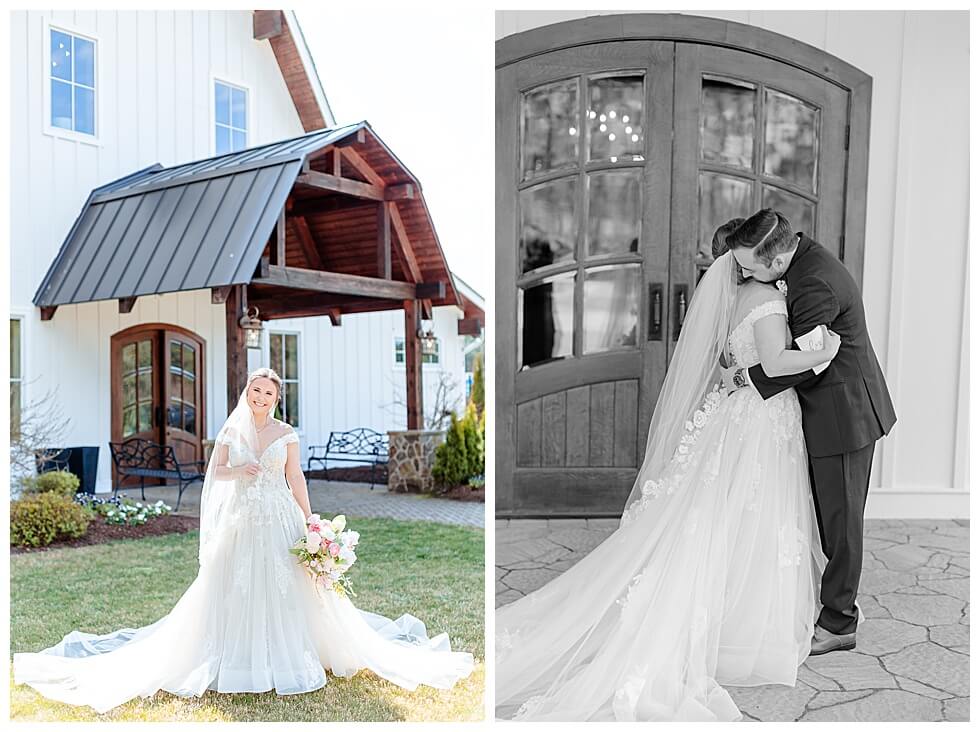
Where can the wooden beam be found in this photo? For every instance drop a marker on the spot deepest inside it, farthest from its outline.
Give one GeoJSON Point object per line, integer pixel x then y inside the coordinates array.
{"type": "Point", "coordinates": [262, 268]}
{"type": "Point", "coordinates": [334, 314]}
{"type": "Point", "coordinates": [47, 313]}
{"type": "Point", "coordinates": [315, 304]}
{"type": "Point", "coordinates": [434, 290]}
{"type": "Point", "coordinates": [405, 251]}
{"type": "Point", "coordinates": [301, 228]}
{"type": "Point", "coordinates": [361, 166]}
{"type": "Point", "coordinates": [337, 184]}
{"type": "Point", "coordinates": [334, 162]}
{"type": "Point", "coordinates": [384, 240]}
{"type": "Point", "coordinates": [426, 306]}
{"type": "Point", "coordinates": [400, 192]}
{"type": "Point", "coordinates": [219, 295]}
{"type": "Point", "coordinates": [338, 283]}
{"type": "Point", "coordinates": [357, 138]}
{"type": "Point", "coordinates": [468, 326]}
{"type": "Point", "coordinates": [237, 361]}
{"type": "Point", "coordinates": [126, 304]}
{"type": "Point", "coordinates": [279, 258]}
{"type": "Point", "coordinates": [413, 367]}
{"type": "Point", "coordinates": [266, 24]}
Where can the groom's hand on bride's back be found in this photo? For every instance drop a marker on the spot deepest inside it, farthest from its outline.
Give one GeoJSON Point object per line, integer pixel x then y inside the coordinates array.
{"type": "Point", "coordinates": [727, 377]}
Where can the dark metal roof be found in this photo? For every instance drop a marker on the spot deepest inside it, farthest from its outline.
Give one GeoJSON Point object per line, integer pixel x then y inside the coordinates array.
{"type": "Point", "coordinates": [191, 226]}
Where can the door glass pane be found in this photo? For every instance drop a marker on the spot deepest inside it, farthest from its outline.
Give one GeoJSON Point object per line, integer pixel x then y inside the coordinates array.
{"type": "Point", "coordinates": [188, 358]}
{"type": "Point", "coordinates": [611, 307]}
{"type": "Point", "coordinates": [175, 383]}
{"type": "Point", "coordinates": [145, 357]}
{"type": "Point", "coordinates": [145, 384]}
{"type": "Point", "coordinates": [190, 414]}
{"type": "Point", "coordinates": [15, 348]}
{"type": "Point", "coordinates": [129, 421]}
{"type": "Point", "coordinates": [614, 212]}
{"type": "Point", "coordinates": [727, 121]}
{"type": "Point", "coordinates": [188, 394]}
{"type": "Point", "coordinates": [548, 224]}
{"type": "Point", "coordinates": [721, 198]}
{"type": "Point", "coordinates": [615, 118]}
{"type": "Point", "coordinates": [129, 390]}
{"type": "Point", "coordinates": [550, 128]}
{"type": "Point", "coordinates": [145, 417]}
{"type": "Point", "coordinates": [129, 358]}
{"type": "Point", "coordinates": [544, 320]}
{"type": "Point", "coordinates": [175, 413]}
{"type": "Point", "coordinates": [791, 139]}
{"type": "Point", "coordinates": [797, 209]}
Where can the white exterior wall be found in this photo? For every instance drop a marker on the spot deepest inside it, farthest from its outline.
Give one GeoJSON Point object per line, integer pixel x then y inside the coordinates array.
{"type": "Point", "coordinates": [155, 74]}
{"type": "Point", "coordinates": [918, 209]}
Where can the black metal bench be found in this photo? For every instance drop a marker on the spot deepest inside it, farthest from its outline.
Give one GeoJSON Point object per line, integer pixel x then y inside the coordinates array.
{"type": "Point", "coordinates": [361, 445]}
{"type": "Point", "coordinates": [139, 458]}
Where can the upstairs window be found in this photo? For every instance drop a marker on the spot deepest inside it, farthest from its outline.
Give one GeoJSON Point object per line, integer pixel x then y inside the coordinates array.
{"type": "Point", "coordinates": [72, 76]}
{"type": "Point", "coordinates": [230, 118]}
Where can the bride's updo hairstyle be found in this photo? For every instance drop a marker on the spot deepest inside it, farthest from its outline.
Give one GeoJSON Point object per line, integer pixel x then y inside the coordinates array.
{"type": "Point", "coordinates": [719, 242]}
{"type": "Point", "coordinates": [265, 373]}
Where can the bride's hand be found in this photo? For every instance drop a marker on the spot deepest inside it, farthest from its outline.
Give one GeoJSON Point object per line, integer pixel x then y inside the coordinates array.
{"type": "Point", "coordinates": [831, 343]}
{"type": "Point", "coordinates": [250, 469]}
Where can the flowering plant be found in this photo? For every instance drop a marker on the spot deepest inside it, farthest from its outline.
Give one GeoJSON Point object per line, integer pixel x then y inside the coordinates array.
{"type": "Point", "coordinates": [122, 511]}
{"type": "Point", "coordinates": [326, 551]}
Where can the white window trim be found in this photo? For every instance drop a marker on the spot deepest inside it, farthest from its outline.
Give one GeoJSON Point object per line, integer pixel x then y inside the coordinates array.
{"type": "Point", "coordinates": [61, 132]}
{"type": "Point", "coordinates": [24, 317]}
{"type": "Point", "coordinates": [299, 369]}
{"type": "Point", "coordinates": [395, 365]}
{"type": "Point", "coordinates": [251, 128]}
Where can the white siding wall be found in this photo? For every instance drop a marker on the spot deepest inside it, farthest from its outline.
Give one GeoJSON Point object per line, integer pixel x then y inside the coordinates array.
{"type": "Point", "coordinates": [918, 208]}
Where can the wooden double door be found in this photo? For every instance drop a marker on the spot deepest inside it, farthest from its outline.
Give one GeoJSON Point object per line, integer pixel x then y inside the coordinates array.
{"type": "Point", "coordinates": [616, 162]}
{"type": "Point", "coordinates": [158, 387]}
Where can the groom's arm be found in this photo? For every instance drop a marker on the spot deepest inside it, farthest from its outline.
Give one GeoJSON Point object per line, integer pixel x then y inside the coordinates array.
{"type": "Point", "coordinates": [814, 304]}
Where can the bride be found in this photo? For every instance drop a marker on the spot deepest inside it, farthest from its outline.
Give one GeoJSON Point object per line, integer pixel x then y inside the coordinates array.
{"type": "Point", "coordinates": [711, 577]}
{"type": "Point", "coordinates": [252, 620]}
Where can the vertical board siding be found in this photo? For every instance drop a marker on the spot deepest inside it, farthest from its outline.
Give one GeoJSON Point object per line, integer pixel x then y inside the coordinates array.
{"type": "Point", "coordinates": [553, 429]}
{"type": "Point", "coordinates": [577, 427]}
{"type": "Point", "coordinates": [529, 434]}
{"type": "Point", "coordinates": [624, 438]}
{"type": "Point", "coordinates": [602, 402]}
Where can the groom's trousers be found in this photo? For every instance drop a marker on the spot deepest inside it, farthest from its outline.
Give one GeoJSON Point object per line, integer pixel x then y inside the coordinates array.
{"type": "Point", "coordinates": [840, 491]}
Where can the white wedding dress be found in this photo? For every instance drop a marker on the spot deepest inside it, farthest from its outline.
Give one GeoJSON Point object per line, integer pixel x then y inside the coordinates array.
{"type": "Point", "coordinates": [250, 622]}
{"type": "Point", "coordinates": [711, 578]}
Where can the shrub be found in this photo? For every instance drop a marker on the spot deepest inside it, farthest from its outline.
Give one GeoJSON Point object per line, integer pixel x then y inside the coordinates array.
{"type": "Point", "coordinates": [39, 519]}
{"type": "Point", "coordinates": [477, 389]}
{"type": "Point", "coordinates": [452, 465]}
{"type": "Point", "coordinates": [473, 439]}
{"type": "Point", "coordinates": [60, 482]}
{"type": "Point", "coordinates": [123, 511]}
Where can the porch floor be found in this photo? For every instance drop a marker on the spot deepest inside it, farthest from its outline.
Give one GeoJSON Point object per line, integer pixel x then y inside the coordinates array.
{"type": "Point", "coordinates": [912, 661]}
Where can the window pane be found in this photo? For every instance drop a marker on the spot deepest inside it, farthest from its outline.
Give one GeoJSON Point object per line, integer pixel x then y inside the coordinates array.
{"type": "Point", "coordinates": [222, 140]}
{"type": "Point", "coordinates": [15, 401]}
{"type": "Point", "coordinates": [84, 62]}
{"type": "Point", "coordinates": [544, 313]}
{"type": "Point", "coordinates": [175, 413]}
{"type": "Point", "coordinates": [84, 110]}
{"type": "Point", "coordinates": [188, 355]}
{"type": "Point", "coordinates": [145, 354]}
{"type": "Point", "coordinates": [616, 118]}
{"type": "Point", "coordinates": [129, 358]}
{"type": "Point", "coordinates": [727, 122]}
{"type": "Point", "coordinates": [430, 351]}
{"type": "Point", "coordinates": [798, 210]}
{"type": "Point", "coordinates": [189, 394]}
{"type": "Point", "coordinates": [791, 139]}
{"type": "Point", "coordinates": [238, 109]}
{"type": "Point", "coordinates": [399, 350]}
{"type": "Point", "coordinates": [614, 212]}
{"type": "Point", "coordinates": [175, 384]}
{"type": "Point", "coordinates": [237, 140]}
{"type": "Point", "coordinates": [60, 104]}
{"type": "Point", "coordinates": [129, 390]}
{"type": "Point", "coordinates": [144, 385]}
{"type": "Point", "coordinates": [721, 198]}
{"type": "Point", "coordinates": [15, 348]}
{"type": "Point", "coordinates": [222, 104]}
{"type": "Point", "coordinates": [275, 352]}
{"type": "Point", "coordinates": [144, 413]}
{"type": "Point", "coordinates": [292, 369]}
{"type": "Point", "coordinates": [548, 224]}
{"type": "Point", "coordinates": [611, 307]}
{"type": "Point", "coordinates": [550, 124]}
{"type": "Point", "coordinates": [190, 418]}
{"type": "Point", "coordinates": [291, 400]}
{"type": "Point", "coordinates": [60, 55]}
{"type": "Point", "coordinates": [129, 421]}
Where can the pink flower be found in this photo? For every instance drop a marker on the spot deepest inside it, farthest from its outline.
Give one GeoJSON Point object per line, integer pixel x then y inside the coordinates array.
{"type": "Point", "coordinates": [325, 545]}
{"type": "Point", "coordinates": [334, 549]}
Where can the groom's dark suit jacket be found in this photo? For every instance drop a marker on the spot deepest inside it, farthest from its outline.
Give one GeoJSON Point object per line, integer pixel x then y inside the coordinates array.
{"type": "Point", "coordinates": [847, 406]}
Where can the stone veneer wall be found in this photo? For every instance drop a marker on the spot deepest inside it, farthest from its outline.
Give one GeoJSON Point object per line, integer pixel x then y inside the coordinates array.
{"type": "Point", "coordinates": [411, 457]}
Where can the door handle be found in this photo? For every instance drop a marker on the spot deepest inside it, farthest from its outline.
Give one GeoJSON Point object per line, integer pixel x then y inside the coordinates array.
{"type": "Point", "coordinates": [680, 301]}
{"type": "Point", "coordinates": [655, 304]}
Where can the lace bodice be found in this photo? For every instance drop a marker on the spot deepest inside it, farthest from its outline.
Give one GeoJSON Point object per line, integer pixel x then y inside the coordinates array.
{"type": "Point", "coordinates": [263, 497]}
{"type": "Point", "coordinates": [741, 341]}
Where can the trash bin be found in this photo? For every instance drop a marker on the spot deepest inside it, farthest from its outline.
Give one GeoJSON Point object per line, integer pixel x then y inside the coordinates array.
{"type": "Point", "coordinates": [82, 462]}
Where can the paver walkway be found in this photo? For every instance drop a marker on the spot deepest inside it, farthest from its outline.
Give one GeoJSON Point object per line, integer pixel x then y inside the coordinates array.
{"type": "Point", "coordinates": [355, 499]}
{"type": "Point", "coordinates": [912, 660]}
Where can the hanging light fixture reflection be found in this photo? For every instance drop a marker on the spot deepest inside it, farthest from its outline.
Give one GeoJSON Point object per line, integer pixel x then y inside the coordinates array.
{"type": "Point", "coordinates": [253, 328]}
{"type": "Point", "coordinates": [426, 336]}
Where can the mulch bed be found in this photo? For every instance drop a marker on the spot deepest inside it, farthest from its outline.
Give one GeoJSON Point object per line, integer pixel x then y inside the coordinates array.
{"type": "Point", "coordinates": [362, 474]}
{"type": "Point", "coordinates": [465, 493]}
{"type": "Point", "coordinates": [100, 532]}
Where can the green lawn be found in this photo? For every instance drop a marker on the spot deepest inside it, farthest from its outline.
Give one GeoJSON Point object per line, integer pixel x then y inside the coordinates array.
{"type": "Point", "coordinates": [431, 570]}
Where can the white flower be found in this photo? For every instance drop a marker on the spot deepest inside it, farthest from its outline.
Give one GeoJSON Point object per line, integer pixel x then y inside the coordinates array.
{"type": "Point", "coordinates": [312, 542]}
{"type": "Point", "coordinates": [689, 425]}
{"type": "Point", "coordinates": [339, 522]}
{"type": "Point", "coordinates": [682, 449]}
{"type": "Point", "coordinates": [649, 488]}
{"type": "Point", "coordinates": [346, 555]}
{"type": "Point", "coordinates": [327, 532]}
{"type": "Point", "coordinates": [699, 419]}
{"type": "Point", "coordinates": [350, 538]}
{"type": "Point", "coordinates": [781, 286]}
{"type": "Point", "coordinates": [687, 439]}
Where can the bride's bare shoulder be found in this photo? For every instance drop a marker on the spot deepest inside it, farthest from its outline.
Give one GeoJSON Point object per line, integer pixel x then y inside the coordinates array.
{"type": "Point", "coordinates": [757, 293]}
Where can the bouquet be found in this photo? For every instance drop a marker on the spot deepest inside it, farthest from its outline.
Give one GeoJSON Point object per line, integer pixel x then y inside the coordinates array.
{"type": "Point", "coordinates": [327, 552]}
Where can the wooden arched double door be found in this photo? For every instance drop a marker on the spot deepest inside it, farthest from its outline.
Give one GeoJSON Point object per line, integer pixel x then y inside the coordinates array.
{"type": "Point", "coordinates": [616, 161]}
{"type": "Point", "coordinates": [158, 387]}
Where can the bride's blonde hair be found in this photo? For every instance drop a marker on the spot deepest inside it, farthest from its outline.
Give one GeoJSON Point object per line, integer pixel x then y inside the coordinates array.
{"type": "Point", "coordinates": [266, 373]}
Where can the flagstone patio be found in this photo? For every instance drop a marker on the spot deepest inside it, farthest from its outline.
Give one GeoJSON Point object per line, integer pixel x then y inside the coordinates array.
{"type": "Point", "coordinates": [912, 659]}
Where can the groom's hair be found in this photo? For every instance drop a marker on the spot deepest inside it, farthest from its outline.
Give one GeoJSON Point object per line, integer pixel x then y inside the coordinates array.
{"type": "Point", "coordinates": [767, 232]}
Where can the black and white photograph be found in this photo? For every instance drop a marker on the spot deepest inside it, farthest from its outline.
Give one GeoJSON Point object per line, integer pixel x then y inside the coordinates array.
{"type": "Point", "coordinates": [731, 366]}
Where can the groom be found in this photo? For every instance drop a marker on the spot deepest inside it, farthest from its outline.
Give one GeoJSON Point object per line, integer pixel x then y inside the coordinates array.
{"type": "Point", "coordinates": [846, 408]}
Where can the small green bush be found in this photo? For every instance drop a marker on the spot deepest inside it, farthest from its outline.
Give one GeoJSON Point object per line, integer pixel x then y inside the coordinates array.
{"type": "Point", "coordinates": [478, 388]}
{"type": "Point", "coordinates": [60, 482]}
{"type": "Point", "coordinates": [39, 519]}
{"type": "Point", "coordinates": [461, 455]}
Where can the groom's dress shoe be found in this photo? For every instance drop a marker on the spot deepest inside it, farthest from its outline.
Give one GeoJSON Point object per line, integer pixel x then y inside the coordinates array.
{"type": "Point", "coordinates": [824, 641]}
